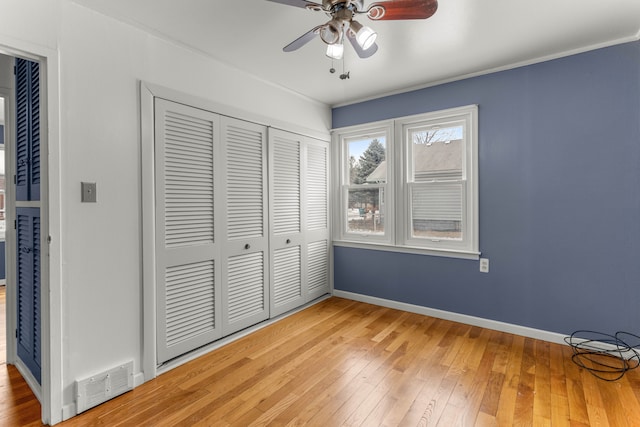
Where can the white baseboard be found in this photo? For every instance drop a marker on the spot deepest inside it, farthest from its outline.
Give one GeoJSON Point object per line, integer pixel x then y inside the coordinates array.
{"type": "Point", "coordinates": [525, 331]}
{"type": "Point", "coordinates": [69, 411]}
{"type": "Point", "coordinates": [138, 379]}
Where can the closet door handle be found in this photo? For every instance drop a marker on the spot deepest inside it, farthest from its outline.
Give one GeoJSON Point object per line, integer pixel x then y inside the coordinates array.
{"type": "Point", "coordinates": [247, 246]}
{"type": "Point", "coordinates": [288, 241]}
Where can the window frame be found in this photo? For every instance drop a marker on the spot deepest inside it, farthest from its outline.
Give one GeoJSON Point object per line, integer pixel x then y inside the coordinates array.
{"type": "Point", "coordinates": [398, 222]}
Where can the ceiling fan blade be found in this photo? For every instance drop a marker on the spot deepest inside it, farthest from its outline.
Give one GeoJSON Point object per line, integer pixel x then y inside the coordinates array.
{"type": "Point", "coordinates": [402, 9]}
{"type": "Point", "coordinates": [361, 52]}
{"type": "Point", "coordinates": [302, 40]}
{"type": "Point", "coordinates": [298, 3]}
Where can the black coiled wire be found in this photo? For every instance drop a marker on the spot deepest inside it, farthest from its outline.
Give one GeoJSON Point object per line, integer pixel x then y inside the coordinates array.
{"type": "Point", "coordinates": [606, 356]}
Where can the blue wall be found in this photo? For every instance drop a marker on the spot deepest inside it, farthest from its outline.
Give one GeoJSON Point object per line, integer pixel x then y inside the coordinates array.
{"type": "Point", "coordinates": [559, 171]}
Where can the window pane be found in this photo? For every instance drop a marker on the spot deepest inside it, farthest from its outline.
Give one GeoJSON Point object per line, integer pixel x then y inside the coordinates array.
{"type": "Point", "coordinates": [365, 211]}
{"type": "Point", "coordinates": [436, 154]}
{"type": "Point", "coordinates": [366, 158]}
{"type": "Point", "coordinates": [436, 211]}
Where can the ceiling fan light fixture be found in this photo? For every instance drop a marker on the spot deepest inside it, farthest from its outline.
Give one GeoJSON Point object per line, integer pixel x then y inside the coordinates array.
{"type": "Point", "coordinates": [365, 36]}
{"type": "Point", "coordinates": [331, 31]}
{"type": "Point", "coordinates": [335, 51]}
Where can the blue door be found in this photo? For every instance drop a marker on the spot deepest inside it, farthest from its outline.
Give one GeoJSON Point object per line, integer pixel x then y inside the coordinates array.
{"type": "Point", "coordinates": [27, 130]}
{"type": "Point", "coordinates": [27, 181]}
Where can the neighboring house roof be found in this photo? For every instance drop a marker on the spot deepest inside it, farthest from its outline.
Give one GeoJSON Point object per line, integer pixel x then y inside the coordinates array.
{"type": "Point", "coordinates": [379, 174]}
{"type": "Point", "coordinates": [435, 160]}
{"type": "Point", "coordinates": [438, 157]}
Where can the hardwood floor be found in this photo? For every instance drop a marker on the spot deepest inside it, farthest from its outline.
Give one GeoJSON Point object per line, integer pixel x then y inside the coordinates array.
{"type": "Point", "coordinates": [18, 405]}
{"type": "Point", "coordinates": [347, 363]}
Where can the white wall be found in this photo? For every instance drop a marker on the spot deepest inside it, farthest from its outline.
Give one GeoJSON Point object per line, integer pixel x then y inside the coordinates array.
{"type": "Point", "coordinates": [6, 72]}
{"type": "Point", "coordinates": [101, 62]}
{"type": "Point", "coordinates": [6, 65]}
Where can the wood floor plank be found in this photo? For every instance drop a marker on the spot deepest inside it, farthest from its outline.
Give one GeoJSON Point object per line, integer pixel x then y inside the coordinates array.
{"type": "Point", "coordinates": [559, 399]}
{"type": "Point", "coordinates": [404, 395]}
{"type": "Point", "coordinates": [578, 413]}
{"type": "Point", "coordinates": [626, 398]}
{"type": "Point", "coordinates": [619, 408]}
{"type": "Point", "coordinates": [469, 408]}
{"type": "Point", "coordinates": [18, 405]}
{"type": "Point", "coordinates": [509, 392]}
{"type": "Point", "coordinates": [486, 420]}
{"type": "Point", "coordinates": [342, 362]}
{"type": "Point", "coordinates": [542, 383]}
{"type": "Point", "coordinates": [526, 384]}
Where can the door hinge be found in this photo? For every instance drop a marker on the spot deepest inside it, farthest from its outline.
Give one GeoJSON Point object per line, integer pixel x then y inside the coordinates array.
{"type": "Point", "coordinates": [15, 224]}
{"type": "Point", "coordinates": [15, 180]}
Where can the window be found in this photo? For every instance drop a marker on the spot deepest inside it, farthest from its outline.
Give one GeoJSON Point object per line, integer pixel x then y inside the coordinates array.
{"type": "Point", "coordinates": [365, 184]}
{"type": "Point", "coordinates": [431, 189]}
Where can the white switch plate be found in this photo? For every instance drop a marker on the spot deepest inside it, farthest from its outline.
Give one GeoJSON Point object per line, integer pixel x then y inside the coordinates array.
{"type": "Point", "coordinates": [88, 192]}
{"type": "Point", "coordinates": [484, 265]}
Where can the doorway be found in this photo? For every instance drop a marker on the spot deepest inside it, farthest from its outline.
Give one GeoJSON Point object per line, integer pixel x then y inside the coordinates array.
{"type": "Point", "coordinates": [14, 296]}
{"type": "Point", "coordinates": [50, 391]}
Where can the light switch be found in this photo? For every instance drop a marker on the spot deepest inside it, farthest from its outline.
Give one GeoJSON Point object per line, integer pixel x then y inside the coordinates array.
{"type": "Point", "coordinates": [88, 192]}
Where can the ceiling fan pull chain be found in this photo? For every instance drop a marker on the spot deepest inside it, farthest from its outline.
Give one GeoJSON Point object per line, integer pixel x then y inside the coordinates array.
{"type": "Point", "coordinates": [345, 74]}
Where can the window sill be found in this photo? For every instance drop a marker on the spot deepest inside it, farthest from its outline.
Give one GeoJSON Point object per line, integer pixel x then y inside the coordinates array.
{"type": "Point", "coordinates": [447, 253]}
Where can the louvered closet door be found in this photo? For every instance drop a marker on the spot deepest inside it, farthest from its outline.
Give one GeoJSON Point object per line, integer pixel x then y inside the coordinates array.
{"type": "Point", "coordinates": [28, 335]}
{"type": "Point", "coordinates": [27, 181]}
{"type": "Point", "coordinates": [245, 252]}
{"type": "Point", "coordinates": [27, 190]}
{"type": "Point", "coordinates": [316, 218]}
{"type": "Point", "coordinates": [187, 248]}
{"type": "Point", "coordinates": [287, 250]}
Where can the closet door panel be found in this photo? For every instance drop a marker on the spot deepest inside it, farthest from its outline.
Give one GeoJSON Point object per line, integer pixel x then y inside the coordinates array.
{"type": "Point", "coordinates": [287, 239]}
{"type": "Point", "coordinates": [287, 276]}
{"type": "Point", "coordinates": [27, 81]}
{"type": "Point", "coordinates": [316, 218]}
{"type": "Point", "coordinates": [28, 289]}
{"type": "Point", "coordinates": [245, 270]}
{"type": "Point", "coordinates": [317, 268]}
{"type": "Point", "coordinates": [187, 249]}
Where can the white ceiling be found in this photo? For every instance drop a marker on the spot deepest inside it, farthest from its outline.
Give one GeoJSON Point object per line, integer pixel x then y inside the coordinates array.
{"type": "Point", "coordinates": [464, 37]}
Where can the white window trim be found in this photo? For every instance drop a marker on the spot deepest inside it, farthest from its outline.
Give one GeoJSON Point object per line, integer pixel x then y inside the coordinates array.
{"type": "Point", "coordinates": [397, 237]}
{"type": "Point", "coordinates": [365, 131]}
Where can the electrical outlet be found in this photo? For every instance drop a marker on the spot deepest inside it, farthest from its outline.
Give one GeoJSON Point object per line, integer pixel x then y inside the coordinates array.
{"type": "Point", "coordinates": [484, 265]}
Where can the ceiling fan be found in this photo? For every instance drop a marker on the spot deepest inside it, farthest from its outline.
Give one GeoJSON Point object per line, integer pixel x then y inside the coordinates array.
{"type": "Point", "coordinates": [342, 24]}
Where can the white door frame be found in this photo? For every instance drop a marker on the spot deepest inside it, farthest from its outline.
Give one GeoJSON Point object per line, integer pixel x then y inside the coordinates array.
{"type": "Point", "coordinates": [7, 95]}
{"type": "Point", "coordinates": [50, 391]}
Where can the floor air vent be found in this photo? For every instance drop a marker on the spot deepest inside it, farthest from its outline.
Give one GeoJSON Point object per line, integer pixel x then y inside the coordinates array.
{"type": "Point", "coordinates": [104, 386]}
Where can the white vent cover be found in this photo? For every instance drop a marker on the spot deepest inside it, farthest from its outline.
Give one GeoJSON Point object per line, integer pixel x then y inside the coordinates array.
{"type": "Point", "coordinates": [104, 386]}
